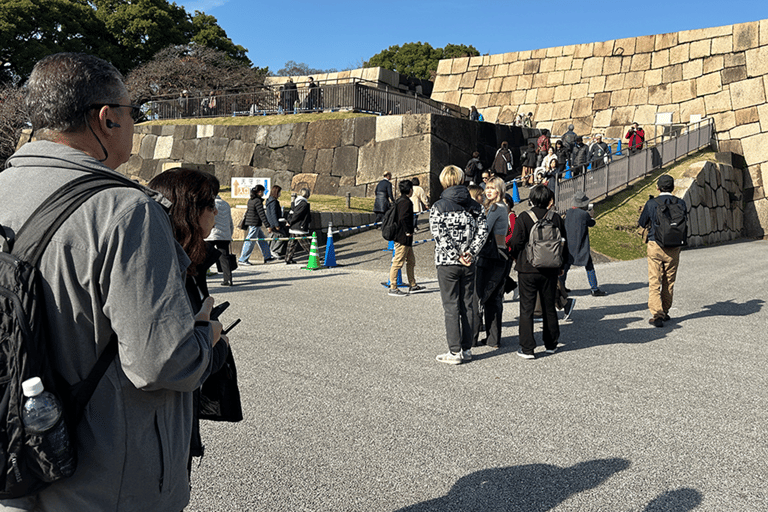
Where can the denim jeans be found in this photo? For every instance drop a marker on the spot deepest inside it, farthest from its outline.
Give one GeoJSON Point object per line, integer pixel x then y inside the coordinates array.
{"type": "Point", "coordinates": [457, 291]}
{"type": "Point", "coordinates": [254, 232]}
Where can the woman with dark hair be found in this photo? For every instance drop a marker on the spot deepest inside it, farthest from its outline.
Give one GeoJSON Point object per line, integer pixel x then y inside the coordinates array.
{"type": "Point", "coordinates": [275, 217]}
{"type": "Point", "coordinates": [502, 163]}
{"type": "Point", "coordinates": [255, 217]}
{"type": "Point", "coordinates": [193, 194]}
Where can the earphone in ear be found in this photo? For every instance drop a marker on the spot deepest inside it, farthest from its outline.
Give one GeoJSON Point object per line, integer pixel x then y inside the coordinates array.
{"type": "Point", "coordinates": [110, 124]}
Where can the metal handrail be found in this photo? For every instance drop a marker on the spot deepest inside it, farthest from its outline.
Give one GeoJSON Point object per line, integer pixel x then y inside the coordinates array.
{"type": "Point", "coordinates": [357, 95]}
{"type": "Point", "coordinates": [619, 172]}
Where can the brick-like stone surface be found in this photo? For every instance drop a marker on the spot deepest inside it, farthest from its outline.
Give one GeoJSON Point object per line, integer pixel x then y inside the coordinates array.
{"type": "Point", "coordinates": [712, 64]}
{"type": "Point", "coordinates": [683, 91]}
{"type": "Point", "coordinates": [745, 36]}
{"type": "Point", "coordinates": [708, 84]}
{"type": "Point", "coordinates": [324, 162]}
{"type": "Point", "coordinates": [345, 161]}
{"type": "Point", "coordinates": [660, 94]}
{"type": "Point", "coordinates": [217, 148]}
{"type": "Point", "coordinates": [324, 134]}
{"type": "Point", "coordinates": [672, 74]}
{"type": "Point", "coordinates": [693, 69]}
{"type": "Point", "coordinates": [147, 150]}
{"type": "Point", "coordinates": [757, 61]}
{"type": "Point", "coordinates": [734, 74]}
{"type": "Point", "coordinates": [747, 93]}
{"type": "Point", "coordinates": [593, 66]}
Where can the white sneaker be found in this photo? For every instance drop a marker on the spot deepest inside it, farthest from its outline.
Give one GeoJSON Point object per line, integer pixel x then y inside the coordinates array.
{"type": "Point", "coordinates": [450, 358]}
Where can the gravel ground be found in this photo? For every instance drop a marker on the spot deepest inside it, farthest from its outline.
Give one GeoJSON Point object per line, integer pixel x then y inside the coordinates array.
{"type": "Point", "coordinates": [346, 408]}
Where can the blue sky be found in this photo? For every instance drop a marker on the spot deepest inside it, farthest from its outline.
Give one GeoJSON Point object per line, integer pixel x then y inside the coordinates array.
{"type": "Point", "coordinates": [342, 34]}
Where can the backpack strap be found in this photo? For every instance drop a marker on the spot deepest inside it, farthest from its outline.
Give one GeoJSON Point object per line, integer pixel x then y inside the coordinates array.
{"type": "Point", "coordinates": [33, 237]}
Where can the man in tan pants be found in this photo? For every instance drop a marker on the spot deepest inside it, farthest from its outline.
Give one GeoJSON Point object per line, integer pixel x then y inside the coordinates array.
{"type": "Point", "coordinates": [663, 259]}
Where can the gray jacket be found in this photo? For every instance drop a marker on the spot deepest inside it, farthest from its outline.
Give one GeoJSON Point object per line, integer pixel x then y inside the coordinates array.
{"type": "Point", "coordinates": [223, 227]}
{"type": "Point", "coordinates": [114, 266]}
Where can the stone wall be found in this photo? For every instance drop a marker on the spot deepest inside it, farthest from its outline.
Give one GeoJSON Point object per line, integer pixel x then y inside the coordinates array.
{"type": "Point", "coordinates": [333, 157]}
{"type": "Point", "coordinates": [713, 194]}
{"type": "Point", "coordinates": [719, 72]}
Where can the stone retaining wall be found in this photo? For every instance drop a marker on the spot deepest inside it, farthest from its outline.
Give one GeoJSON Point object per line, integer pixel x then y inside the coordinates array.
{"type": "Point", "coordinates": [719, 72]}
{"type": "Point", "coordinates": [713, 195]}
{"type": "Point", "coordinates": [333, 157]}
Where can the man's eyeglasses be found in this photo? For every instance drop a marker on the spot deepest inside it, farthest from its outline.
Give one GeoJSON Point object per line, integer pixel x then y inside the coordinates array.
{"type": "Point", "coordinates": [135, 109]}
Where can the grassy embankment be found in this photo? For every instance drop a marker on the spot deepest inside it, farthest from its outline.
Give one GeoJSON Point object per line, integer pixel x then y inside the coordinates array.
{"type": "Point", "coordinates": [616, 234]}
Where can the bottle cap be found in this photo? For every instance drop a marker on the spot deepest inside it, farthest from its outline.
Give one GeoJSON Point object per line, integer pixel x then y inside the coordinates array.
{"type": "Point", "coordinates": [32, 387]}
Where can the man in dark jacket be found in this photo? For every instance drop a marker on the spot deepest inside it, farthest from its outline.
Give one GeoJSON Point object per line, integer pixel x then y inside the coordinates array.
{"type": "Point", "coordinates": [404, 242]}
{"type": "Point", "coordinates": [534, 281]}
{"type": "Point", "coordinates": [569, 139]}
{"type": "Point", "coordinates": [578, 220]}
{"type": "Point", "coordinates": [599, 153]}
{"type": "Point", "coordinates": [662, 261]}
{"type": "Point", "coordinates": [384, 197]}
{"type": "Point", "coordinates": [473, 170]}
{"type": "Point", "coordinates": [579, 156]}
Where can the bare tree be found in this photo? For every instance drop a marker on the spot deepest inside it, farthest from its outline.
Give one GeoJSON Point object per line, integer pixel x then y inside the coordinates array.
{"type": "Point", "coordinates": [13, 118]}
{"type": "Point", "coordinates": [197, 69]}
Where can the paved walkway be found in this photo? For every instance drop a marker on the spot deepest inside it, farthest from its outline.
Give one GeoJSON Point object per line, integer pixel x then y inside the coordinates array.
{"type": "Point", "coordinates": [347, 409]}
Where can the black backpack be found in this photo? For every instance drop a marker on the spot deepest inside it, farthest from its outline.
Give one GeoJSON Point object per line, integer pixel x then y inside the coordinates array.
{"type": "Point", "coordinates": [389, 225]}
{"type": "Point", "coordinates": [671, 228]}
{"type": "Point", "coordinates": [24, 467]}
{"type": "Point", "coordinates": [545, 243]}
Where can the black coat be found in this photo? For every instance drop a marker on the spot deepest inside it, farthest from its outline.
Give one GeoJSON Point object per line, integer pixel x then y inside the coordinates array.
{"type": "Point", "coordinates": [255, 214]}
{"type": "Point", "coordinates": [577, 223]}
{"type": "Point", "coordinates": [404, 214]}
{"type": "Point", "coordinates": [299, 217]}
{"type": "Point", "coordinates": [384, 196]}
{"type": "Point", "coordinates": [520, 237]}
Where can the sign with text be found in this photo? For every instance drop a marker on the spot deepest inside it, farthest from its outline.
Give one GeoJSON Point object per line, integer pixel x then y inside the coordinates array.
{"type": "Point", "coordinates": [241, 187]}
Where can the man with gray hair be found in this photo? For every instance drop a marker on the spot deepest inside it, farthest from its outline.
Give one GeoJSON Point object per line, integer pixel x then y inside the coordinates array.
{"type": "Point", "coordinates": [112, 269]}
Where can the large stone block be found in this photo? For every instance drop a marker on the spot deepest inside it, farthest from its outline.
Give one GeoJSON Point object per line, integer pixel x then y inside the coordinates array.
{"type": "Point", "coordinates": [757, 61]}
{"type": "Point", "coordinates": [468, 80]}
{"type": "Point", "coordinates": [300, 181]}
{"type": "Point", "coordinates": [596, 84]}
{"type": "Point", "coordinates": [652, 77]}
{"type": "Point", "coordinates": [763, 116]}
{"type": "Point", "coordinates": [753, 148]}
{"type": "Point", "coordinates": [555, 78]}
{"type": "Point", "coordinates": [417, 124]}
{"type": "Point", "coordinates": [659, 59]}
{"type": "Point", "coordinates": [745, 36]}
{"type": "Point", "coordinates": [733, 74]}
{"type": "Point", "coordinates": [645, 44]}
{"type": "Point", "coordinates": [708, 84]}
{"type": "Point", "coordinates": [593, 66]}
{"type": "Point", "coordinates": [623, 116]}
{"type": "Point", "coordinates": [530, 96]}
{"type": "Point", "coordinates": [700, 49]}
{"type": "Point", "coordinates": [163, 147]}
{"type": "Point", "coordinates": [562, 93]}
{"type": "Point", "coordinates": [239, 152]}
{"type": "Point", "coordinates": [601, 101]}
{"type": "Point", "coordinates": [403, 157]}
{"type": "Point", "coordinates": [147, 150]}
{"type": "Point", "coordinates": [562, 109]}
{"type": "Point", "coordinates": [583, 51]}
{"type": "Point", "coordinates": [204, 130]}
{"type": "Point", "coordinates": [563, 63]}
{"type": "Point", "coordinates": [481, 87]}
{"type": "Point", "coordinates": [389, 127]}
{"type": "Point", "coordinates": [614, 82]}
{"type": "Point", "coordinates": [310, 159]}
{"type": "Point", "coordinates": [747, 93]}
{"type": "Point", "coordinates": [660, 94]}
{"type": "Point", "coordinates": [638, 96]}
{"type": "Point", "coordinates": [441, 81]}
{"type": "Point", "coordinates": [483, 73]}
{"type": "Point", "coordinates": [579, 90]}
{"type": "Point", "coordinates": [546, 95]}
{"type": "Point", "coordinates": [646, 114]}
{"type": "Point", "coordinates": [460, 65]}
{"type": "Point", "coordinates": [693, 69]}
{"type": "Point", "coordinates": [722, 44]}
{"type": "Point", "coordinates": [683, 91]}
{"type": "Point", "coordinates": [324, 161]}
{"type": "Point", "coordinates": [712, 64]}
{"type": "Point", "coordinates": [531, 66]}
{"type": "Point", "coordinates": [547, 65]}
{"type": "Point", "coordinates": [572, 77]}
{"type": "Point", "coordinates": [747, 115]}
{"type": "Point", "coordinates": [515, 68]}
{"type": "Point", "coordinates": [620, 98]}
{"type": "Point", "coordinates": [719, 102]}
{"type": "Point", "coordinates": [217, 148]}
{"type": "Point", "coordinates": [324, 134]}
{"type": "Point", "coordinates": [327, 185]}
{"type": "Point", "coordinates": [640, 62]}
{"type": "Point", "coordinates": [663, 41]}
{"type": "Point", "coordinates": [602, 119]}
{"type": "Point", "coordinates": [603, 49]}
{"type": "Point", "coordinates": [672, 74]}
{"type": "Point", "coordinates": [345, 161]}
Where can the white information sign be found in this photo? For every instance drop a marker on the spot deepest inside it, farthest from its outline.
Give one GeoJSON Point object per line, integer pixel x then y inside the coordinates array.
{"type": "Point", "coordinates": [241, 187]}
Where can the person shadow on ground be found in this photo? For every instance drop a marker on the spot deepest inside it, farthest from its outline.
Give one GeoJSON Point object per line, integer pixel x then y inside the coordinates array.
{"type": "Point", "coordinates": [541, 487]}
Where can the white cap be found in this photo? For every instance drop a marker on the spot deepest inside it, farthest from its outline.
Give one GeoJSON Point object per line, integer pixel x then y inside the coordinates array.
{"type": "Point", "coordinates": [32, 387]}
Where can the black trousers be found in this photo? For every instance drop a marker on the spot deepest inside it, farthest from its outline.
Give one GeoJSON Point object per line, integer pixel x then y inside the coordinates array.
{"type": "Point", "coordinates": [457, 292]}
{"type": "Point", "coordinates": [223, 264]}
{"type": "Point", "coordinates": [529, 286]}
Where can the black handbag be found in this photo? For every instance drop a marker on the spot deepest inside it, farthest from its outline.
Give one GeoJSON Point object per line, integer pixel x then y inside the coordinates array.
{"type": "Point", "coordinates": [220, 395]}
{"type": "Point", "coordinates": [232, 261]}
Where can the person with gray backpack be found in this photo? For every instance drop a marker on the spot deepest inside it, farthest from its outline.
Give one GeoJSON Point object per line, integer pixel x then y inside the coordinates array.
{"type": "Point", "coordinates": [539, 246]}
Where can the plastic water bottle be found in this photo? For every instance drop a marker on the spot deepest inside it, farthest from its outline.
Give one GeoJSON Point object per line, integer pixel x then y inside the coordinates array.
{"type": "Point", "coordinates": [42, 417]}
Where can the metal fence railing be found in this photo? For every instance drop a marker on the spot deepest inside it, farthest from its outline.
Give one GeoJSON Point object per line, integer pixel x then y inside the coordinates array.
{"type": "Point", "coordinates": [617, 173]}
{"type": "Point", "coordinates": [357, 95]}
